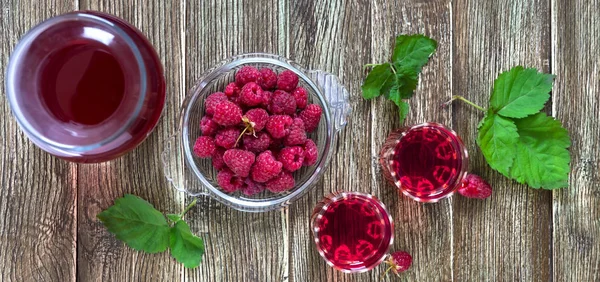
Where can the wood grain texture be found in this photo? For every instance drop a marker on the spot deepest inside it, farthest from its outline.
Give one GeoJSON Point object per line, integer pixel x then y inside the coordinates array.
{"type": "Point", "coordinates": [508, 236]}
{"type": "Point", "coordinates": [332, 36]}
{"type": "Point", "coordinates": [423, 230]}
{"type": "Point", "coordinates": [100, 257]}
{"type": "Point", "coordinates": [38, 199]}
{"type": "Point", "coordinates": [239, 246]}
{"type": "Point", "coordinates": [576, 209]}
{"type": "Point", "coordinates": [48, 207]}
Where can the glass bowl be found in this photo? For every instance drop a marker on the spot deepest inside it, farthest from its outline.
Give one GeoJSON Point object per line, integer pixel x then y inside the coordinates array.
{"type": "Point", "coordinates": [197, 177]}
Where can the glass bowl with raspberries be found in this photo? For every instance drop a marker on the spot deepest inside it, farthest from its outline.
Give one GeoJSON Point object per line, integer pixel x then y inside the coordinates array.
{"type": "Point", "coordinates": [256, 132]}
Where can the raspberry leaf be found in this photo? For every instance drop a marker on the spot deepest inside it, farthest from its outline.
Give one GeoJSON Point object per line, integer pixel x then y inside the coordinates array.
{"type": "Point", "coordinates": [404, 109]}
{"type": "Point", "coordinates": [542, 159]}
{"type": "Point", "coordinates": [413, 51]}
{"type": "Point", "coordinates": [186, 248]}
{"type": "Point", "coordinates": [497, 140]}
{"type": "Point", "coordinates": [174, 217]}
{"type": "Point", "coordinates": [520, 92]}
{"type": "Point", "coordinates": [407, 82]}
{"type": "Point", "coordinates": [375, 81]}
{"type": "Point", "coordinates": [398, 80]}
{"type": "Point", "coordinates": [137, 223]}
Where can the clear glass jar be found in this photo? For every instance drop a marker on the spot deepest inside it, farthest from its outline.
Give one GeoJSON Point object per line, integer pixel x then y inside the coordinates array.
{"type": "Point", "coordinates": [197, 177]}
{"type": "Point", "coordinates": [85, 86]}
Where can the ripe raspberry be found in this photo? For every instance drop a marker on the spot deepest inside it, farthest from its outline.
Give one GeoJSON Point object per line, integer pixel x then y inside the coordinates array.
{"type": "Point", "coordinates": [475, 187]}
{"type": "Point", "coordinates": [267, 79]}
{"type": "Point", "coordinates": [208, 126]}
{"type": "Point", "coordinates": [311, 117]}
{"type": "Point", "coordinates": [239, 161]}
{"type": "Point", "coordinates": [282, 103]}
{"type": "Point", "coordinates": [257, 144]}
{"type": "Point", "coordinates": [217, 159]}
{"type": "Point", "coordinates": [399, 262]}
{"type": "Point", "coordinates": [228, 181]}
{"type": "Point", "coordinates": [227, 137]}
{"type": "Point", "coordinates": [246, 74]}
{"type": "Point", "coordinates": [232, 90]}
{"type": "Point", "coordinates": [301, 97]}
{"type": "Point", "coordinates": [227, 113]}
{"type": "Point", "coordinates": [204, 147]}
{"type": "Point", "coordinates": [251, 94]}
{"type": "Point", "coordinates": [282, 182]}
{"type": "Point", "coordinates": [297, 135]}
{"type": "Point", "coordinates": [287, 80]}
{"type": "Point", "coordinates": [311, 153]}
{"type": "Point", "coordinates": [279, 125]}
{"type": "Point", "coordinates": [267, 96]}
{"type": "Point", "coordinates": [292, 158]}
{"type": "Point", "coordinates": [259, 117]}
{"type": "Point", "coordinates": [212, 100]}
{"type": "Point", "coordinates": [250, 187]}
{"type": "Point", "coordinates": [265, 167]}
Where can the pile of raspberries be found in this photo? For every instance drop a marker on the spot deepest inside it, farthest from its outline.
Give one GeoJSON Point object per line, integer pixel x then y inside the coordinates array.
{"type": "Point", "coordinates": [256, 131]}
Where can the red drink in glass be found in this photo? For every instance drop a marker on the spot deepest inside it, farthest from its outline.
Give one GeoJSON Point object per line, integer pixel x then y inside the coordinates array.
{"type": "Point", "coordinates": [85, 86]}
{"type": "Point", "coordinates": [352, 231]}
{"type": "Point", "coordinates": [427, 162]}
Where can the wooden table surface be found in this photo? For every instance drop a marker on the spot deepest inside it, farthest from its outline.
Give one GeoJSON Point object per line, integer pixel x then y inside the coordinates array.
{"type": "Point", "coordinates": [48, 207]}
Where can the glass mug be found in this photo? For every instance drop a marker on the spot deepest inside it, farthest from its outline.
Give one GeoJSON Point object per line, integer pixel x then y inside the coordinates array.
{"type": "Point", "coordinates": [353, 231]}
{"type": "Point", "coordinates": [427, 162]}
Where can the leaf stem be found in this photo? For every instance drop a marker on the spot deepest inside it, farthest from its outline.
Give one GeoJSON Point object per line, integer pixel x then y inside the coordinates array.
{"type": "Point", "coordinates": [393, 69]}
{"type": "Point", "coordinates": [369, 65]}
{"type": "Point", "coordinates": [192, 204]}
{"type": "Point", "coordinates": [458, 97]}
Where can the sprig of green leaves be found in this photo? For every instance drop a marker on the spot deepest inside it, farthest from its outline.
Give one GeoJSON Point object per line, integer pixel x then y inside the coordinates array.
{"type": "Point", "coordinates": [517, 139]}
{"type": "Point", "coordinates": [137, 223]}
{"type": "Point", "coordinates": [397, 80]}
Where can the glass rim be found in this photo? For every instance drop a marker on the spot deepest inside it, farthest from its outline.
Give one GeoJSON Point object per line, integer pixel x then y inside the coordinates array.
{"type": "Point", "coordinates": [335, 197]}
{"type": "Point", "coordinates": [24, 43]}
{"type": "Point", "coordinates": [445, 193]}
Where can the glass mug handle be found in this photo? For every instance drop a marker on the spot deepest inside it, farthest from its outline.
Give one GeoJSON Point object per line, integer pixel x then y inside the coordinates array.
{"type": "Point", "coordinates": [174, 169]}
{"type": "Point", "coordinates": [336, 95]}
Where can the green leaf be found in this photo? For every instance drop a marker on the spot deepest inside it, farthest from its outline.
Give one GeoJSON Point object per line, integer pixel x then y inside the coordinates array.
{"type": "Point", "coordinates": [497, 139]}
{"type": "Point", "coordinates": [174, 217]}
{"type": "Point", "coordinates": [413, 51]}
{"type": "Point", "coordinates": [407, 81]}
{"type": "Point", "coordinates": [391, 82]}
{"type": "Point", "coordinates": [185, 247]}
{"type": "Point", "coordinates": [136, 222]}
{"type": "Point", "coordinates": [376, 80]}
{"type": "Point", "coordinates": [542, 157]}
{"type": "Point", "coordinates": [520, 92]}
{"type": "Point", "coordinates": [403, 109]}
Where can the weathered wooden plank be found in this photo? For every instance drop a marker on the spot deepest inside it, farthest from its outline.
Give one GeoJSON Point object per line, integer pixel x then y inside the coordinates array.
{"type": "Point", "coordinates": [37, 206]}
{"type": "Point", "coordinates": [100, 256]}
{"type": "Point", "coordinates": [332, 36]}
{"type": "Point", "coordinates": [423, 230]}
{"type": "Point", "coordinates": [576, 209]}
{"type": "Point", "coordinates": [508, 236]}
{"type": "Point", "coordinates": [239, 246]}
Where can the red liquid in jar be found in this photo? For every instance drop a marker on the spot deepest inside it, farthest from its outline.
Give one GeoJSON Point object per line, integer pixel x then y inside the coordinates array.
{"type": "Point", "coordinates": [82, 83]}
{"type": "Point", "coordinates": [427, 161]}
{"type": "Point", "coordinates": [86, 86]}
{"type": "Point", "coordinates": [354, 233]}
